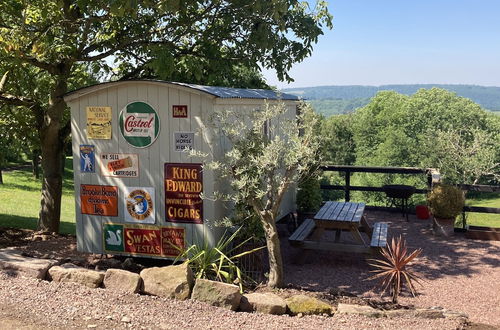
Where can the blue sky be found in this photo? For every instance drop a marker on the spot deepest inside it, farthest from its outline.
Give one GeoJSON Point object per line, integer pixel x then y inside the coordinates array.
{"type": "Point", "coordinates": [376, 42]}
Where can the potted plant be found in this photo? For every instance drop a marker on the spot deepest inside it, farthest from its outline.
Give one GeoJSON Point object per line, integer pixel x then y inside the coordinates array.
{"type": "Point", "coordinates": [446, 202]}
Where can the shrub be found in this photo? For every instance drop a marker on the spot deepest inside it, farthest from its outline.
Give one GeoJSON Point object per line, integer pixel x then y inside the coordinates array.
{"type": "Point", "coordinates": [446, 201]}
{"type": "Point", "coordinates": [309, 194]}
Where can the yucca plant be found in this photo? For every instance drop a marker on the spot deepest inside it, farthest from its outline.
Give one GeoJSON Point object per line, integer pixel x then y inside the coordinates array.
{"type": "Point", "coordinates": [393, 268]}
{"type": "Point", "coordinates": [217, 263]}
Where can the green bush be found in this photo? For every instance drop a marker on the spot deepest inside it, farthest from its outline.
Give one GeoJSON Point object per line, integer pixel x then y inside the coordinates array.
{"type": "Point", "coordinates": [309, 194]}
{"type": "Point", "coordinates": [446, 201]}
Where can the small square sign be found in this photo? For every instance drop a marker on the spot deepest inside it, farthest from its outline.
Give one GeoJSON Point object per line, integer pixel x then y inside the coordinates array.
{"type": "Point", "coordinates": [179, 111]}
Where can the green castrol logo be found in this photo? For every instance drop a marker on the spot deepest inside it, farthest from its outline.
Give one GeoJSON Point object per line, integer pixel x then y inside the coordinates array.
{"type": "Point", "coordinates": [139, 124]}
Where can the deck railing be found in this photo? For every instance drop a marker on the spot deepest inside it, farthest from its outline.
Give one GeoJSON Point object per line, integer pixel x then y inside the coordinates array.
{"type": "Point", "coordinates": [431, 174]}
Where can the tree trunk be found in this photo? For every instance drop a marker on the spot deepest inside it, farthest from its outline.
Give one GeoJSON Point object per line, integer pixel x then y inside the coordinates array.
{"type": "Point", "coordinates": [50, 212]}
{"type": "Point", "coordinates": [52, 148]}
{"type": "Point", "coordinates": [35, 163]}
{"type": "Point", "coordinates": [274, 250]}
{"type": "Point", "coordinates": [1, 176]}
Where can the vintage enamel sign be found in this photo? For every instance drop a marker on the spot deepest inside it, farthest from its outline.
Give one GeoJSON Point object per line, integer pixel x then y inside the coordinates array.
{"type": "Point", "coordinates": [119, 165]}
{"type": "Point", "coordinates": [87, 158]}
{"type": "Point", "coordinates": [99, 123]}
{"type": "Point", "coordinates": [139, 124]}
{"type": "Point", "coordinates": [183, 141]}
{"type": "Point", "coordinates": [183, 188]}
{"type": "Point", "coordinates": [139, 204]}
{"type": "Point", "coordinates": [99, 200]}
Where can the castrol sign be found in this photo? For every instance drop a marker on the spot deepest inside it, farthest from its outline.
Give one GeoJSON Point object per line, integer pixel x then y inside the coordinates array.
{"type": "Point", "coordinates": [139, 124]}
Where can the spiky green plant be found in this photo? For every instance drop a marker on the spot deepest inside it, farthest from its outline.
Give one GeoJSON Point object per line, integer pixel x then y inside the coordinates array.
{"type": "Point", "coordinates": [393, 268]}
{"type": "Point", "coordinates": [219, 262]}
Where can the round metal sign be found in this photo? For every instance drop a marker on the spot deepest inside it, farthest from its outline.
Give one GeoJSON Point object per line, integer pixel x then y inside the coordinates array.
{"type": "Point", "coordinates": [139, 124]}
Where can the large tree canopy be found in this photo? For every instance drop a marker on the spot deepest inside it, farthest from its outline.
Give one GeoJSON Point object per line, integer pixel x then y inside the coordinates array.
{"type": "Point", "coordinates": [199, 41]}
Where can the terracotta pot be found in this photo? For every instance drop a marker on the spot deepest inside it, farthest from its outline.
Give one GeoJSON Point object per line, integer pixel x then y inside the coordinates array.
{"type": "Point", "coordinates": [443, 227]}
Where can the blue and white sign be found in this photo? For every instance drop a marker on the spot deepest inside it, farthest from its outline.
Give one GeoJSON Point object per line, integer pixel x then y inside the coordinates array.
{"type": "Point", "coordinates": [87, 158]}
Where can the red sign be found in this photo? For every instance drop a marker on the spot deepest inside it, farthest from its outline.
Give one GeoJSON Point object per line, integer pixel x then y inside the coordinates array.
{"type": "Point", "coordinates": [183, 186]}
{"type": "Point", "coordinates": [143, 241]}
{"type": "Point", "coordinates": [172, 237]}
{"type": "Point", "coordinates": [180, 111]}
{"type": "Point", "coordinates": [99, 200]}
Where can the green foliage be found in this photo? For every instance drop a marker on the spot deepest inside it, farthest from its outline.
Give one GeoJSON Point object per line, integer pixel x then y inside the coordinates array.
{"type": "Point", "coordinates": [331, 100]}
{"type": "Point", "coordinates": [337, 140]}
{"type": "Point", "coordinates": [309, 194]}
{"type": "Point", "coordinates": [446, 201]}
{"type": "Point", "coordinates": [393, 268]}
{"type": "Point", "coordinates": [217, 263]}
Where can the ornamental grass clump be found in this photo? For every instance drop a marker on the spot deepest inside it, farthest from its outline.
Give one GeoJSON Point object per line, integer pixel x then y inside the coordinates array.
{"type": "Point", "coordinates": [393, 269]}
{"type": "Point", "coordinates": [219, 262]}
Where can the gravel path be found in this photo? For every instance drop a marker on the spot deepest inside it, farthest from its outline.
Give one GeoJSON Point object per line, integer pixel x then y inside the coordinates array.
{"type": "Point", "coordinates": [460, 274]}
{"type": "Point", "coordinates": [38, 304]}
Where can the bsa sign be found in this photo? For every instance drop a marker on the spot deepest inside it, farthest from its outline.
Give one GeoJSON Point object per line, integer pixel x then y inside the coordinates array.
{"type": "Point", "coordinates": [99, 200]}
{"type": "Point", "coordinates": [87, 158]}
{"type": "Point", "coordinates": [183, 186]}
{"type": "Point", "coordinates": [119, 165]}
{"type": "Point", "coordinates": [139, 124]}
{"type": "Point", "coordinates": [143, 240]}
{"type": "Point", "coordinates": [139, 205]}
{"type": "Point", "coordinates": [180, 111]}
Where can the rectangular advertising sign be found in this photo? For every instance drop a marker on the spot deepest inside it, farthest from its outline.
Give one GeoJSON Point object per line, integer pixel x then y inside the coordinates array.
{"type": "Point", "coordinates": [179, 111]}
{"type": "Point", "coordinates": [99, 123]}
{"type": "Point", "coordinates": [183, 141]}
{"type": "Point", "coordinates": [172, 237]}
{"type": "Point", "coordinates": [99, 200]}
{"type": "Point", "coordinates": [183, 186]}
{"type": "Point", "coordinates": [143, 239]}
{"type": "Point", "coordinates": [119, 165]}
{"type": "Point", "coordinates": [87, 158]}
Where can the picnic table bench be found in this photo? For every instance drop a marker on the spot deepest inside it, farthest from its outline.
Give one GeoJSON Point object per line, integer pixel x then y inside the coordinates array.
{"type": "Point", "coordinates": [340, 216]}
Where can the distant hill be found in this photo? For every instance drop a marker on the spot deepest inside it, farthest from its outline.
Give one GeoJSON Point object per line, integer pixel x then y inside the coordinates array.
{"type": "Point", "coordinates": [330, 100]}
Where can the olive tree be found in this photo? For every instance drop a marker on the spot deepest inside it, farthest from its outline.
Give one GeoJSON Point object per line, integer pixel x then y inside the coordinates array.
{"type": "Point", "coordinates": [270, 151]}
{"type": "Point", "coordinates": [197, 40]}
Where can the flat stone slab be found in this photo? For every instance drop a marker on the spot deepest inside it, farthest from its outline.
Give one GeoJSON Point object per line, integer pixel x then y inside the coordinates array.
{"type": "Point", "coordinates": [13, 261]}
{"type": "Point", "coordinates": [306, 305]}
{"type": "Point", "coordinates": [360, 310]}
{"type": "Point", "coordinates": [72, 273]}
{"type": "Point", "coordinates": [266, 303]}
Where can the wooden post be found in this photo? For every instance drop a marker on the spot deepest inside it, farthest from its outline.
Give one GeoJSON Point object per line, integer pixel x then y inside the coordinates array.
{"type": "Point", "coordinates": [347, 186]}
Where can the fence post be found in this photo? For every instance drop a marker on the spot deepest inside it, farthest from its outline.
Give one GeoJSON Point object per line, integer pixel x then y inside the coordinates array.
{"type": "Point", "coordinates": [347, 194]}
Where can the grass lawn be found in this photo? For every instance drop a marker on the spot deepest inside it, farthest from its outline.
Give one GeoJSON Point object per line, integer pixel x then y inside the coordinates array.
{"type": "Point", "coordinates": [20, 200]}
{"type": "Point", "coordinates": [484, 219]}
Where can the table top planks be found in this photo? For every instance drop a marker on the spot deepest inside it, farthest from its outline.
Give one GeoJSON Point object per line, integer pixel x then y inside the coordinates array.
{"type": "Point", "coordinates": [340, 211]}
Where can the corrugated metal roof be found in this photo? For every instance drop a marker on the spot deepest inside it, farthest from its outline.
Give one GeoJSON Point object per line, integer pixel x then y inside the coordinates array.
{"type": "Point", "coordinates": [240, 93]}
{"type": "Point", "coordinates": [221, 92]}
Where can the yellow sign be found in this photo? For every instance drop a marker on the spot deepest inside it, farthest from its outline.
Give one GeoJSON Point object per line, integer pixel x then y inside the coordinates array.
{"type": "Point", "coordinates": [99, 123]}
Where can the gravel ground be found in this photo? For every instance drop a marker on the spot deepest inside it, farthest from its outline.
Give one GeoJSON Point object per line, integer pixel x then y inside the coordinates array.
{"type": "Point", "coordinates": [28, 303]}
{"type": "Point", "coordinates": [460, 274]}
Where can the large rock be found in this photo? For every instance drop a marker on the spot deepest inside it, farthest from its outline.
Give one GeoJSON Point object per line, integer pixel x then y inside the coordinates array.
{"type": "Point", "coordinates": [217, 294]}
{"type": "Point", "coordinates": [72, 273]}
{"type": "Point", "coordinates": [13, 261]}
{"type": "Point", "coordinates": [305, 305]}
{"type": "Point", "coordinates": [360, 310]}
{"type": "Point", "coordinates": [171, 281]}
{"type": "Point", "coordinates": [267, 303]}
{"type": "Point", "coordinates": [122, 280]}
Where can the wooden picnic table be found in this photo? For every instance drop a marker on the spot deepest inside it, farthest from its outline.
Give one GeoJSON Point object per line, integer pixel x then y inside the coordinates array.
{"type": "Point", "coordinates": [340, 217]}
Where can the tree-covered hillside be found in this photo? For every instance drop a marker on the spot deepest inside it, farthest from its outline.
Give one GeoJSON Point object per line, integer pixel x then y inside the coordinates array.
{"type": "Point", "coordinates": [330, 100]}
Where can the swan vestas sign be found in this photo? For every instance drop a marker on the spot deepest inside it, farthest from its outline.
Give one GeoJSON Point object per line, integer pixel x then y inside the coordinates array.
{"type": "Point", "coordinates": [139, 124]}
{"type": "Point", "coordinates": [143, 240]}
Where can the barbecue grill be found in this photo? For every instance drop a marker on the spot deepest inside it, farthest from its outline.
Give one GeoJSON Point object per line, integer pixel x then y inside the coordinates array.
{"type": "Point", "coordinates": [399, 192]}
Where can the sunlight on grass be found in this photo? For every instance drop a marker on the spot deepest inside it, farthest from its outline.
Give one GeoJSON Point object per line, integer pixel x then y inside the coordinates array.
{"type": "Point", "coordinates": [20, 200]}
{"type": "Point", "coordinates": [484, 219]}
